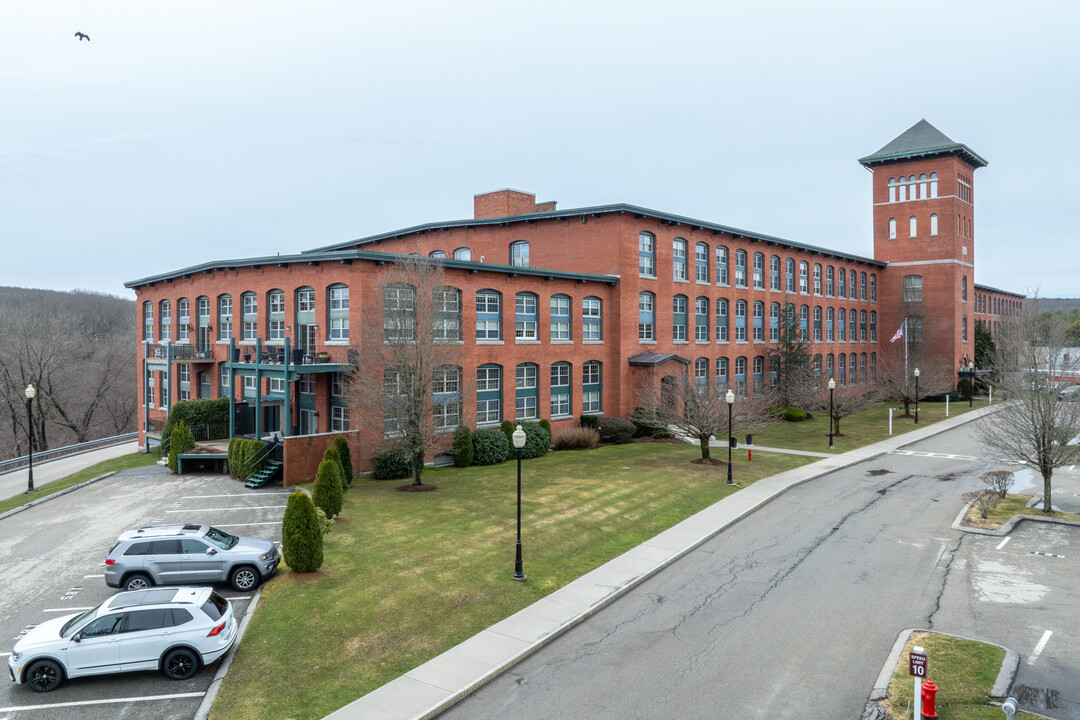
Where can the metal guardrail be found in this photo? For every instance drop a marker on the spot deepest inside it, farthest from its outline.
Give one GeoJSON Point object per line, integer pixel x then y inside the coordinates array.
{"type": "Point", "coordinates": [46, 455]}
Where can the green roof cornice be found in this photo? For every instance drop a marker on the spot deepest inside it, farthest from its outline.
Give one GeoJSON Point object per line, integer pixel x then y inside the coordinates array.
{"type": "Point", "coordinates": [922, 140]}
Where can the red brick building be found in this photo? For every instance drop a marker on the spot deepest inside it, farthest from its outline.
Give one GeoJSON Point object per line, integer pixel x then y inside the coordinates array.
{"type": "Point", "coordinates": [577, 307]}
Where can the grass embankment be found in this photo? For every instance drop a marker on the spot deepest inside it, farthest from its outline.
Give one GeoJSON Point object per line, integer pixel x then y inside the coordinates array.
{"type": "Point", "coordinates": [409, 575]}
{"type": "Point", "coordinates": [963, 670]}
{"type": "Point", "coordinates": [124, 462]}
{"type": "Point", "coordinates": [862, 428]}
{"type": "Point", "coordinates": [1009, 508]}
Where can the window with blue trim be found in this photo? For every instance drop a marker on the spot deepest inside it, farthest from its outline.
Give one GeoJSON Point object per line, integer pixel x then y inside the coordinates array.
{"type": "Point", "coordinates": [338, 312]}
{"type": "Point", "coordinates": [183, 312]}
{"type": "Point", "coordinates": [852, 280]}
{"type": "Point", "coordinates": [701, 371]}
{"type": "Point", "coordinates": [789, 275]}
{"type": "Point", "coordinates": [560, 318]}
{"type": "Point", "coordinates": [519, 254]}
{"type": "Point", "coordinates": [447, 316]}
{"type": "Point", "coordinates": [853, 319]}
{"type": "Point", "coordinates": [759, 374]}
{"type": "Point", "coordinates": [862, 286]}
{"type": "Point", "coordinates": [678, 259]}
{"type": "Point", "coordinates": [759, 321]}
{"type": "Point", "coordinates": [721, 372]}
{"type": "Point", "coordinates": [446, 392]}
{"type": "Point", "coordinates": [841, 325]}
{"type": "Point", "coordinates": [830, 321]}
{"type": "Point", "coordinates": [841, 369]}
{"type": "Point", "coordinates": [275, 318]}
{"type": "Point", "coordinates": [488, 315]}
{"type": "Point", "coordinates": [678, 318]}
{"type": "Point", "coordinates": [804, 277]}
{"type": "Point", "coordinates": [225, 317]}
{"type": "Point", "coordinates": [740, 268]}
{"type": "Point", "coordinates": [817, 279]}
{"type": "Point", "coordinates": [701, 319]}
{"type": "Point", "coordinates": [591, 387]}
{"type": "Point", "coordinates": [646, 316]}
{"type": "Point", "coordinates": [759, 271]}
{"type": "Point", "coordinates": [591, 320]}
{"type": "Point", "coordinates": [774, 273]}
{"type": "Point", "coordinates": [774, 322]}
{"type": "Point", "coordinates": [488, 394]}
{"type": "Point", "coordinates": [646, 255]}
{"type": "Point", "coordinates": [526, 316]}
{"type": "Point", "coordinates": [560, 389]}
{"type": "Point", "coordinates": [841, 282]}
{"type": "Point", "coordinates": [740, 321]}
{"type": "Point", "coordinates": [862, 326]}
{"type": "Point", "coordinates": [829, 373]}
{"type": "Point", "coordinates": [740, 376]}
{"type": "Point", "coordinates": [249, 305]}
{"type": "Point", "coordinates": [804, 323]}
{"type": "Point", "coordinates": [721, 320]}
{"type": "Point", "coordinates": [817, 323]}
{"type": "Point", "coordinates": [721, 265]}
{"type": "Point", "coordinates": [873, 326]}
{"type": "Point", "coordinates": [527, 393]}
{"type": "Point", "coordinates": [148, 321]}
{"type": "Point", "coordinates": [701, 262]}
{"type": "Point", "coordinates": [165, 321]}
{"type": "Point", "coordinates": [830, 276]}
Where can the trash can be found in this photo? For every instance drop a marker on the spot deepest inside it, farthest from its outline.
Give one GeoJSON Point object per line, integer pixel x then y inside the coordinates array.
{"type": "Point", "coordinates": [749, 439]}
{"type": "Point", "coordinates": [733, 442]}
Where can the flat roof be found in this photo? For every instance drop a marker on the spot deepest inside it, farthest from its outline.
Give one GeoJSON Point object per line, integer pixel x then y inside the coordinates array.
{"type": "Point", "coordinates": [997, 290]}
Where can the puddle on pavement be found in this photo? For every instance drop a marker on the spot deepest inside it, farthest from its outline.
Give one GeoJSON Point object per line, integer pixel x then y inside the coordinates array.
{"type": "Point", "coordinates": [877, 473]}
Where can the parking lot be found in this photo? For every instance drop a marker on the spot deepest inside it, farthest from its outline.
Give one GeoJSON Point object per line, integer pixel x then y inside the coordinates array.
{"type": "Point", "coordinates": [54, 566]}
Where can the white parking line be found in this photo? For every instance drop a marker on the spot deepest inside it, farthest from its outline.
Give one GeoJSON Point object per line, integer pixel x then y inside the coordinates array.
{"type": "Point", "coordinates": [221, 525]}
{"type": "Point", "coordinates": [247, 494]}
{"type": "Point", "coordinates": [1039, 648]}
{"type": "Point", "coordinates": [68, 609]}
{"type": "Point", "coordinates": [257, 507]}
{"type": "Point", "coordinates": [1002, 543]}
{"type": "Point", "coordinates": [90, 576]}
{"type": "Point", "coordinates": [4, 654]}
{"type": "Point", "coordinates": [150, 698]}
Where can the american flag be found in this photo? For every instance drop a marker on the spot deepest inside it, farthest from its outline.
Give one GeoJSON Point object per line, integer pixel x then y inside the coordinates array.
{"type": "Point", "coordinates": [899, 333]}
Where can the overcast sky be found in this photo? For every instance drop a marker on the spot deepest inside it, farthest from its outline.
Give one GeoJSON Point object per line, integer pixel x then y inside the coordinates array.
{"type": "Point", "coordinates": [196, 131]}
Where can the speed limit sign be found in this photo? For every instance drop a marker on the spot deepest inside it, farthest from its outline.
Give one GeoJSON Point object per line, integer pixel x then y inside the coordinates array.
{"type": "Point", "coordinates": [917, 664]}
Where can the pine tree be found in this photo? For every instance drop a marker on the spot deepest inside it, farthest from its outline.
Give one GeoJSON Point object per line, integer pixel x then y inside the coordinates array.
{"type": "Point", "coordinates": [301, 535]}
{"type": "Point", "coordinates": [180, 441]}
{"type": "Point", "coordinates": [327, 494]}
{"type": "Point", "coordinates": [342, 446]}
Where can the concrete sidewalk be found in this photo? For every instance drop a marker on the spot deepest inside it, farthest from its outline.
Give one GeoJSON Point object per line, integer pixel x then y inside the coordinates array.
{"type": "Point", "coordinates": [439, 683]}
{"type": "Point", "coordinates": [14, 482]}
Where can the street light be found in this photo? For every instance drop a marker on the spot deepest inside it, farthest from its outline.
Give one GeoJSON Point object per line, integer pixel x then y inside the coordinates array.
{"type": "Point", "coordinates": [971, 395]}
{"type": "Point", "coordinates": [730, 398]}
{"type": "Point", "coordinates": [832, 386]}
{"type": "Point", "coordinates": [519, 442]}
{"type": "Point", "coordinates": [30, 393]}
{"type": "Point", "coordinates": [916, 396]}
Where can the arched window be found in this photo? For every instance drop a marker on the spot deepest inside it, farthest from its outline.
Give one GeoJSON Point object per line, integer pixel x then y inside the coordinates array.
{"type": "Point", "coordinates": [701, 262]}
{"type": "Point", "coordinates": [804, 277]}
{"type": "Point", "coordinates": [678, 318]}
{"type": "Point", "coordinates": [148, 321]}
{"type": "Point", "coordinates": [249, 308]}
{"type": "Point", "coordinates": [913, 288]}
{"type": "Point", "coordinates": [759, 321]}
{"type": "Point", "coordinates": [912, 227]}
{"type": "Point", "coordinates": [963, 328]}
{"type": "Point", "coordinates": [862, 326]}
{"type": "Point", "coordinates": [526, 391]}
{"type": "Point", "coordinates": [399, 313]}
{"type": "Point", "coordinates": [678, 259]}
{"type": "Point", "coordinates": [774, 273]}
{"type": "Point", "coordinates": [901, 187]}
{"type": "Point", "coordinates": [488, 394]}
{"type": "Point", "coordinates": [437, 254]}
{"type": "Point", "coordinates": [526, 317]}
{"type": "Point", "coordinates": [224, 317]}
{"type": "Point", "coordinates": [933, 185]}
{"type": "Point", "coordinates": [646, 255]}
{"type": "Point", "coordinates": [446, 398]}
{"type": "Point", "coordinates": [817, 279]}
{"type": "Point", "coordinates": [721, 265]}
{"type": "Point", "coordinates": [862, 286]}
{"type": "Point", "coordinates": [759, 373]}
{"type": "Point", "coordinates": [963, 288]}
{"type": "Point", "coordinates": [892, 189]}
{"type": "Point", "coordinates": [740, 376]}
{"type": "Point", "coordinates": [183, 320]}
{"type": "Point", "coordinates": [305, 320]}
{"type": "Point", "coordinates": [591, 320]}
{"type": "Point", "coordinates": [463, 253]}
{"type": "Point", "coordinates": [646, 317]}
{"type": "Point", "coordinates": [841, 325]}
{"type": "Point", "coordinates": [701, 371]}
{"type": "Point", "coordinates": [591, 388]}
{"type": "Point", "coordinates": [852, 276]}
{"type": "Point", "coordinates": [841, 282]}
{"type": "Point", "coordinates": [721, 372]}
{"type": "Point", "coordinates": [447, 314]}
{"type": "Point", "coordinates": [852, 363]}
{"type": "Point", "coordinates": [892, 228]}
{"type": "Point", "coordinates": [804, 323]}
{"type": "Point", "coordinates": [759, 271]}
{"type": "Point", "coordinates": [830, 322]}
{"type": "Point", "coordinates": [829, 372]}
{"type": "Point", "coordinates": [774, 322]}
{"type": "Point", "coordinates": [488, 315]}
{"type": "Point", "coordinates": [740, 321]}
{"type": "Point", "coordinates": [560, 389]}
{"type": "Point", "coordinates": [841, 369]}
{"type": "Point", "coordinates": [789, 275]}
{"type": "Point", "coordinates": [853, 319]}
{"type": "Point", "coordinates": [165, 320]}
{"type": "Point", "coordinates": [519, 254]}
{"type": "Point", "coordinates": [740, 268]}
{"type": "Point", "coordinates": [560, 319]}
{"type": "Point", "coordinates": [817, 323]}
{"type": "Point", "coordinates": [873, 326]}
{"type": "Point", "coordinates": [922, 186]}
{"type": "Point", "coordinates": [337, 313]}
{"type": "Point", "coordinates": [275, 316]}
{"type": "Point", "coordinates": [774, 369]}
{"type": "Point", "coordinates": [721, 320]}
{"type": "Point", "coordinates": [701, 319]}
{"type": "Point", "coordinates": [873, 287]}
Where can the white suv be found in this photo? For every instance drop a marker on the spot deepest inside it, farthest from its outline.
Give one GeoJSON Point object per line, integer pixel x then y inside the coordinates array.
{"type": "Point", "coordinates": [175, 630]}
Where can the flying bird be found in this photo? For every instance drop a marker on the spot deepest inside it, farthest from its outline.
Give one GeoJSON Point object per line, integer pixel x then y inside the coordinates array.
{"type": "Point", "coordinates": [82, 36]}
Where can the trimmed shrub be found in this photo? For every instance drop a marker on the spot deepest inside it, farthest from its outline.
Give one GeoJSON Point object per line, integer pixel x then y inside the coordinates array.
{"type": "Point", "coordinates": [301, 534]}
{"type": "Point", "coordinates": [342, 446]}
{"type": "Point", "coordinates": [952, 395]}
{"type": "Point", "coordinates": [589, 421]}
{"type": "Point", "coordinates": [243, 457]}
{"type": "Point", "coordinates": [197, 414]}
{"type": "Point", "coordinates": [331, 453]}
{"type": "Point", "coordinates": [643, 428]}
{"type": "Point", "coordinates": [490, 447]}
{"type": "Point", "coordinates": [392, 464]}
{"type": "Point", "coordinates": [325, 524]}
{"type": "Point", "coordinates": [180, 441]}
{"type": "Point", "coordinates": [537, 440]}
{"type": "Point", "coordinates": [508, 429]}
{"type": "Point", "coordinates": [964, 387]}
{"type": "Point", "coordinates": [327, 494]}
{"type": "Point", "coordinates": [463, 448]}
{"type": "Point", "coordinates": [616, 430]}
{"type": "Point", "coordinates": [576, 439]}
{"type": "Point", "coordinates": [789, 413]}
{"type": "Point", "coordinates": [546, 424]}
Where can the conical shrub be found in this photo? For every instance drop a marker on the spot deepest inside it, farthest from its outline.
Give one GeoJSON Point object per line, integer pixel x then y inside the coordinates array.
{"type": "Point", "coordinates": [328, 494]}
{"type": "Point", "coordinates": [301, 534]}
{"type": "Point", "coordinates": [342, 446]}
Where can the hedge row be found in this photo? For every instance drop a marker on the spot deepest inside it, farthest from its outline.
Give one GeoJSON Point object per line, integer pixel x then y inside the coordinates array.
{"type": "Point", "coordinates": [245, 456]}
{"type": "Point", "coordinates": [195, 413]}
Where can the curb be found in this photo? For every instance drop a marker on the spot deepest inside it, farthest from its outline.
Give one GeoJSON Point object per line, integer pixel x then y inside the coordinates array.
{"type": "Point", "coordinates": [58, 493]}
{"type": "Point", "coordinates": [1008, 526]}
{"type": "Point", "coordinates": [1004, 681]}
{"type": "Point", "coordinates": [211, 692]}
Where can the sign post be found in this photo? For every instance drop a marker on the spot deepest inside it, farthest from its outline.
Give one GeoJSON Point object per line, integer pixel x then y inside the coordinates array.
{"type": "Point", "coordinates": [917, 669]}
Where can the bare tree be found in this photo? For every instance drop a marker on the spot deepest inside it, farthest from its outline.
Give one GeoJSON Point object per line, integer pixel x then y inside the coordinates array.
{"type": "Point", "coordinates": [897, 378]}
{"type": "Point", "coordinates": [700, 410]}
{"type": "Point", "coordinates": [1038, 426]}
{"type": "Point", "coordinates": [845, 402]}
{"type": "Point", "coordinates": [409, 382]}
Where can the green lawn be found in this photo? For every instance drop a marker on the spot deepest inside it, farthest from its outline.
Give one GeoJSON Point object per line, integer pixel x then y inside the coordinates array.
{"type": "Point", "coordinates": [963, 670]}
{"type": "Point", "coordinates": [863, 428]}
{"type": "Point", "coordinates": [409, 575]}
{"type": "Point", "coordinates": [1009, 508]}
{"type": "Point", "coordinates": [124, 462]}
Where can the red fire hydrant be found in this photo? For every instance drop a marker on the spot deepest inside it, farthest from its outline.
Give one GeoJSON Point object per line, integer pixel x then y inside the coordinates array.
{"type": "Point", "coordinates": [929, 697]}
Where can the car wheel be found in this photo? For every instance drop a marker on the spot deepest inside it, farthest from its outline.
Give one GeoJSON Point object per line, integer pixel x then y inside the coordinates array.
{"type": "Point", "coordinates": [138, 581]}
{"type": "Point", "coordinates": [180, 664]}
{"type": "Point", "coordinates": [244, 578]}
{"type": "Point", "coordinates": [44, 675]}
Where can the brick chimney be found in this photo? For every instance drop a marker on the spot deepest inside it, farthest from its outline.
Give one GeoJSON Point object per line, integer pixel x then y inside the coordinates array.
{"type": "Point", "coordinates": [501, 203]}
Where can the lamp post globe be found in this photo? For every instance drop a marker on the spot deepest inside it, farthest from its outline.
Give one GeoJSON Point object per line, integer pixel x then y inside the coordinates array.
{"type": "Point", "coordinates": [730, 399]}
{"type": "Point", "coordinates": [519, 442]}
{"type": "Point", "coordinates": [832, 386]}
{"type": "Point", "coordinates": [971, 373]}
{"type": "Point", "coordinates": [916, 396]}
{"type": "Point", "coordinates": [30, 392]}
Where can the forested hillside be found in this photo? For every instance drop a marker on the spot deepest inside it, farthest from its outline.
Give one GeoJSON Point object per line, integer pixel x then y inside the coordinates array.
{"type": "Point", "coordinates": [76, 348]}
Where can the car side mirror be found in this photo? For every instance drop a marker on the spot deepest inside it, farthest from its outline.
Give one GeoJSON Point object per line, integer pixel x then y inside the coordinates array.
{"type": "Point", "coordinates": [211, 551]}
{"type": "Point", "coordinates": [77, 638]}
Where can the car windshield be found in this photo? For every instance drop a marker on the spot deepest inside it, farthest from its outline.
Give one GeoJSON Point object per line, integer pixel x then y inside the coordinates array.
{"type": "Point", "coordinates": [221, 538]}
{"type": "Point", "coordinates": [78, 621]}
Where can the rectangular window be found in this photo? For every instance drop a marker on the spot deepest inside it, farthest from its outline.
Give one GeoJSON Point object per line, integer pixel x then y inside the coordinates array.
{"type": "Point", "coordinates": [277, 302]}
{"type": "Point", "coordinates": [525, 407]}
{"type": "Point", "coordinates": [305, 301]}
{"type": "Point", "coordinates": [912, 288]}
{"type": "Point", "coordinates": [678, 260]}
{"type": "Point", "coordinates": [646, 255]}
{"type": "Point", "coordinates": [307, 384]}
{"type": "Point", "coordinates": [590, 313]}
{"type": "Point", "coordinates": [740, 268]}
{"type": "Point", "coordinates": [721, 265]}
{"type": "Point", "coordinates": [488, 411]}
{"type": "Point", "coordinates": [277, 385]}
{"type": "Point", "coordinates": [759, 271]}
{"type": "Point", "coordinates": [525, 330]}
{"type": "Point", "coordinates": [277, 330]}
{"type": "Point", "coordinates": [590, 373]}
{"type": "Point", "coordinates": [526, 377]}
{"type": "Point", "coordinates": [338, 384]}
{"type": "Point", "coordinates": [339, 419]}
{"type": "Point", "coordinates": [817, 279]}
{"type": "Point", "coordinates": [339, 298]}
{"type": "Point", "coordinates": [590, 402]}
{"type": "Point", "coordinates": [701, 263]}
{"type": "Point", "coordinates": [487, 378]}
{"type": "Point", "coordinates": [446, 415]}
{"type": "Point", "coordinates": [560, 318]}
{"type": "Point", "coordinates": [251, 330]}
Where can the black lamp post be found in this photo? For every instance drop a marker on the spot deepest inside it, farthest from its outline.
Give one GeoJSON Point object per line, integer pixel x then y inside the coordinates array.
{"type": "Point", "coordinates": [30, 393]}
{"type": "Point", "coordinates": [730, 398]}
{"type": "Point", "coordinates": [916, 396]}
{"type": "Point", "coordinates": [971, 374]}
{"type": "Point", "coordinates": [519, 443]}
{"type": "Point", "coordinates": [832, 386]}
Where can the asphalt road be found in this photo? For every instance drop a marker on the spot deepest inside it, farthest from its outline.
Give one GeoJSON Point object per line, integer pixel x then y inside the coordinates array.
{"type": "Point", "coordinates": [792, 612]}
{"type": "Point", "coordinates": [53, 566]}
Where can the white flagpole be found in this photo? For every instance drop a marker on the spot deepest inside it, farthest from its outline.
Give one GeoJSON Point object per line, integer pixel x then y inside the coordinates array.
{"type": "Point", "coordinates": [903, 325]}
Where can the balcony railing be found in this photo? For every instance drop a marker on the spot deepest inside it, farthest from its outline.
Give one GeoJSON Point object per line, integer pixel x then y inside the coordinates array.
{"type": "Point", "coordinates": [182, 353]}
{"type": "Point", "coordinates": [315, 355]}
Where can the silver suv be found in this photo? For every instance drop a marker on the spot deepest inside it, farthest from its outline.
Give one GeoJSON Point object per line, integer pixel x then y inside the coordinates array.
{"type": "Point", "coordinates": [186, 554]}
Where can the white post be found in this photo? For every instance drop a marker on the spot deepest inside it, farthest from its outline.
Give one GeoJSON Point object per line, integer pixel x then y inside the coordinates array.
{"type": "Point", "coordinates": [890, 421]}
{"type": "Point", "coordinates": [918, 691]}
{"type": "Point", "coordinates": [991, 395]}
{"type": "Point", "coordinates": [946, 404]}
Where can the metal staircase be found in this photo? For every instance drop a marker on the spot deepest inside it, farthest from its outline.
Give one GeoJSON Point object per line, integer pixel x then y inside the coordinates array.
{"type": "Point", "coordinates": [269, 470]}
